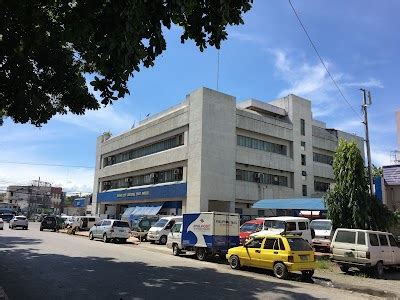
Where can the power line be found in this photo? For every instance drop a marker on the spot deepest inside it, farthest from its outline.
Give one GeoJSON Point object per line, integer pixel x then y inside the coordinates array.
{"type": "Point", "coordinates": [322, 61]}
{"type": "Point", "coordinates": [43, 164]}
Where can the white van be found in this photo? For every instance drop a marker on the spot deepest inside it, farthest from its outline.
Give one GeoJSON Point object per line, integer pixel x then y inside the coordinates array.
{"type": "Point", "coordinates": [278, 225]}
{"type": "Point", "coordinates": [364, 249]}
{"type": "Point", "coordinates": [323, 233]}
{"type": "Point", "coordinates": [159, 231]}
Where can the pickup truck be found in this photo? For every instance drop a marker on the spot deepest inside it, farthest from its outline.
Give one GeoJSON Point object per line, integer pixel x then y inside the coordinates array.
{"type": "Point", "coordinates": [206, 234]}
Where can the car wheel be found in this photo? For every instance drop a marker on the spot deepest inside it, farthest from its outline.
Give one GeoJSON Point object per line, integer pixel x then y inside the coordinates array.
{"type": "Point", "coordinates": [308, 274]}
{"type": "Point", "coordinates": [105, 239]}
{"type": "Point", "coordinates": [163, 240]}
{"type": "Point", "coordinates": [175, 250]}
{"type": "Point", "coordinates": [281, 271]}
{"type": "Point", "coordinates": [234, 262]}
{"type": "Point", "coordinates": [379, 269]}
{"type": "Point", "coordinates": [201, 254]}
{"type": "Point", "coordinates": [41, 229]}
{"type": "Point", "coordinates": [344, 268]}
{"type": "Point", "coordinates": [122, 241]}
{"type": "Point", "coordinates": [152, 242]}
{"type": "Point", "coordinates": [91, 236]}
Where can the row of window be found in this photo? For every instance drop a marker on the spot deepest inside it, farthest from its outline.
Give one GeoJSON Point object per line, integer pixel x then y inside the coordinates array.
{"type": "Point", "coordinates": [150, 178]}
{"type": "Point", "coordinates": [145, 150]}
{"type": "Point", "coordinates": [261, 177]}
{"type": "Point", "coordinates": [322, 158]}
{"type": "Point", "coordinates": [320, 186]}
{"type": "Point", "coordinates": [374, 239]}
{"type": "Point", "coordinates": [261, 145]}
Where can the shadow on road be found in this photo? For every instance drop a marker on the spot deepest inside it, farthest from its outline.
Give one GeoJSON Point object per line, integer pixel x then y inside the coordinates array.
{"type": "Point", "coordinates": [13, 241]}
{"type": "Point", "coordinates": [53, 276]}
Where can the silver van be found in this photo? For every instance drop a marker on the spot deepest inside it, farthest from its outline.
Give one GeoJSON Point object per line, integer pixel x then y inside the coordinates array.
{"type": "Point", "coordinates": [110, 229]}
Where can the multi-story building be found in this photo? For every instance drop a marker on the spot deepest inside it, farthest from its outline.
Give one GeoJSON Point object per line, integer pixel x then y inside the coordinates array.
{"type": "Point", "coordinates": [40, 196]}
{"type": "Point", "coordinates": [209, 153]}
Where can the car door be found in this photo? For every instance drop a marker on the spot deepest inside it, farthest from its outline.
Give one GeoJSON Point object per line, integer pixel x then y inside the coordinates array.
{"type": "Point", "coordinates": [344, 247]}
{"type": "Point", "coordinates": [395, 250]}
{"type": "Point", "coordinates": [361, 247]}
{"type": "Point", "coordinates": [374, 249]}
{"type": "Point", "coordinates": [252, 253]}
{"type": "Point", "coordinates": [385, 249]}
{"type": "Point", "coordinates": [99, 228]}
{"type": "Point", "coordinates": [270, 253]}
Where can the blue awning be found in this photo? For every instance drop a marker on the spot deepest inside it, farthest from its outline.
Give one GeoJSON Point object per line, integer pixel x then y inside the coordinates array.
{"type": "Point", "coordinates": [131, 212]}
{"type": "Point", "coordinates": [295, 203]}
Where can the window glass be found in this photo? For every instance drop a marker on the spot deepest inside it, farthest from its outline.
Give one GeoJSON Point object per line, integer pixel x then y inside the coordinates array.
{"type": "Point", "coordinates": [383, 240]}
{"type": "Point", "coordinates": [281, 245]}
{"type": "Point", "coordinates": [302, 127]}
{"type": "Point", "coordinates": [346, 237]}
{"type": "Point", "coordinates": [270, 243]}
{"type": "Point", "coordinates": [121, 224]}
{"type": "Point", "coordinates": [291, 226]}
{"type": "Point", "coordinates": [261, 145]}
{"type": "Point", "coordinates": [392, 241]}
{"type": "Point", "coordinates": [249, 227]}
{"type": "Point", "coordinates": [255, 243]}
{"type": "Point", "coordinates": [298, 244]}
{"type": "Point", "coordinates": [304, 190]}
{"type": "Point", "coordinates": [274, 224]}
{"type": "Point", "coordinates": [361, 238]}
{"type": "Point", "coordinates": [373, 239]}
{"type": "Point", "coordinates": [177, 228]}
{"type": "Point", "coordinates": [303, 160]}
{"type": "Point", "coordinates": [302, 226]}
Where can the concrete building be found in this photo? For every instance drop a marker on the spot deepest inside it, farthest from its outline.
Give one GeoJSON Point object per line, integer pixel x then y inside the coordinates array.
{"type": "Point", "coordinates": [37, 197]}
{"type": "Point", "coordinates": [211, 154]}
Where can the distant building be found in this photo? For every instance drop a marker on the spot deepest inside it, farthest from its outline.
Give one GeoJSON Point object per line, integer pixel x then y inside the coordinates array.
{"type": "Point", "coordinates": [80, 206]}
{"type": "Point", "coordinates": [39, 197]}
{"type": "Point", "coordinates": [211, 154]}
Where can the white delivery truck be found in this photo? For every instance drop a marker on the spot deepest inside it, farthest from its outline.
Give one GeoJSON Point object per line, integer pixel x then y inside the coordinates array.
{"type": "Point", "coordinates": [205, 233]}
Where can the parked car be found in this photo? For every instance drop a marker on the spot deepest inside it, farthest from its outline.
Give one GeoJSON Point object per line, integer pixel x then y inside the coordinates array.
{"type": "Point", "coordinates": [277, 225]}
{"type": "Point", "coordinates": [6, 217]}
{"type": "Point", "coordinates": [84, 222]}
{"type": "Point", "coordinates": [280, 253]}
{"type": "Point", "coordinates": [206, 234]}
{"type": "Point", "coordinates": [250, 227]}
{"type": "Point", "coordinates": [1, 224]}
{"type": "Point", "coordinates": [160, 230]}
{"type": "Point", "coordinates": [110, 229]}
{"type": "Point", "coordinates": [141, 226]}
{"type": "Point", "coordinates": [51, 223]}
{"type": "Point", "coordinates": [364, 249]}
{"type": "Point", "coordinates": [323, 234]}
{"type": "Point", "coordinates": [19, 221]}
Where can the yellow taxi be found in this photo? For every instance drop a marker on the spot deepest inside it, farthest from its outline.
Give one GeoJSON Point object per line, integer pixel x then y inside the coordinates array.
{"type": "Point", "coordinates": [280, 253]}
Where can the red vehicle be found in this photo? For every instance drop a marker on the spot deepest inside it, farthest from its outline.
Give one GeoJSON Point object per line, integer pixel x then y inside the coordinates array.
{"type": "Point", "coordinates": [250, 227]}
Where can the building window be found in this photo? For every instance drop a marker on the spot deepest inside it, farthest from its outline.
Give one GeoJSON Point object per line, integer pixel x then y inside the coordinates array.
{"type": "Point", "coordinates": [261, 145]}
{"type": "Point", "coordinates": [239, 211]}
{"type": "Point", "coordinates": [260, 213]}
{"type": "Point", "coordinates": [302, 127]}
{"type": "Point", "coordinates": [264, 178]}
{"type": "Point", "coordinates": [303, 159]}
{"type": "Point", "coordinates": [303, 175]}
{"type": "Point", "coordinates": [303, 146]}
{"type": "Point", "coordinates": [321, 158]}
{"type": "Point", "coordinates": [304, 190]}
{"type": "Point", "coordinates": [321, 186]}
{"type": "Point", "coordinates": [170, 143]}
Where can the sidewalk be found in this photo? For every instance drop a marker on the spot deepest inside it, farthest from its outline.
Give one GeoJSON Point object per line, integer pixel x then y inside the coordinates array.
{"type": "Point", "coordinates": [132, 240]}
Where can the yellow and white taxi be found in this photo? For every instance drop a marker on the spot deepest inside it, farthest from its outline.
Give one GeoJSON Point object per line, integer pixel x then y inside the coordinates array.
{"type": "Point", "coordinates": [280, 253]}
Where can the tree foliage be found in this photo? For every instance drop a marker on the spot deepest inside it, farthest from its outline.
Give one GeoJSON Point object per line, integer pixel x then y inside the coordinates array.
{"type": "Point", "coordinates": [347, 202]}
{"type": "Point", "coordinates": [377, 171]}
{"type": "Point", "coordinates": [47, 47]}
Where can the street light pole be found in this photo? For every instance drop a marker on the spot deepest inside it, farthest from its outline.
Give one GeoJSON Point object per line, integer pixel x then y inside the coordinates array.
{"type": "Point", "coordinates": [367, 141]}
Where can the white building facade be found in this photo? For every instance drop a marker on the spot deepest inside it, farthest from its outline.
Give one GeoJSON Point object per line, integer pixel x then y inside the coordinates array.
{"type": "Point", "coordinates": [211, 154]}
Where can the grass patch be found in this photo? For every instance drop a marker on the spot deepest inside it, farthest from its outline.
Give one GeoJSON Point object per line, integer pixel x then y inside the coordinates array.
{"type": "Point", "coordinates": [325, 265]}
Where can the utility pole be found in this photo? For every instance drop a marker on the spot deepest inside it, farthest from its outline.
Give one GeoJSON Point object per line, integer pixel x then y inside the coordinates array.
{"type": "Point", "coordinates": [367, 142]}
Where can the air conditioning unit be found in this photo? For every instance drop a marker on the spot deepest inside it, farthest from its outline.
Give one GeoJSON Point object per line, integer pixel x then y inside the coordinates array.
{"type": "Point", "coordinates": [178, 174]}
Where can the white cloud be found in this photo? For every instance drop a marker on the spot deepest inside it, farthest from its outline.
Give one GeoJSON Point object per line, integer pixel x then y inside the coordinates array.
{"type": "Point", "coordinates": [99, 121]}
{"type": "Point", "coordinates": [244, 37]}
{"type": "Point", "coordinates": [370, 83]}
{"type": "Point", "coordinates": [380, 157]}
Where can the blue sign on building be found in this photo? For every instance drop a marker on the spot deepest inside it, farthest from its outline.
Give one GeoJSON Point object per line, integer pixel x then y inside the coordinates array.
{"type": "Point", "coordinates": [178, 190]}
{"type": "Point", "coordinates": [79, 202]}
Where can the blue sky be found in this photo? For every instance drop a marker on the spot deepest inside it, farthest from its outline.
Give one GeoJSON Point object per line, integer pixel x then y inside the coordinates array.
{"type": "Point", "coordinates": [266, 58]}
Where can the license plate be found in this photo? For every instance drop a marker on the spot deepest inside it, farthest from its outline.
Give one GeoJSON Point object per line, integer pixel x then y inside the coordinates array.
{"type": "Point", "coordinates": [121, 230]}
{"type": "Point", "coordinates": [304, 257]}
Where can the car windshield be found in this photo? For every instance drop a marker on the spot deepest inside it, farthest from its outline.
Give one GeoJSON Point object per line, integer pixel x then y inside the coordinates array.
{"type": "Point", "coordinates": [161, 223]}
{"type": "Point", "coordinates": [120, 224]}
{"type": "Point", "coordinates": [298, 244]}
{"type": "Point", "coordinates": [321, 225]}
{"type": "Point", "coordinates": [21, 218]}
{"type": "Point", "coordinates": [249, 227]}
{"type": "Point", "coordinates": [275, 224]}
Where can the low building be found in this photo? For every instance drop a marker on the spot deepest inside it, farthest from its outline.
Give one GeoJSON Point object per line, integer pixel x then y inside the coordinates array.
{"type": "Point", "coordinates": [390, 190]}
{"type": "Point", "coordinates": [211, 154]}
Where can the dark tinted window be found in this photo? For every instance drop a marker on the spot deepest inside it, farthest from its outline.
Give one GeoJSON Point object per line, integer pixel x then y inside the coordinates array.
{"type": "Point", "coordinates": [92, 219]}
{"type": "Point", "coordinates": [249, 227]}
{"type": "Point", "coordinates": [298, 244]}
{"type": "Point", "coordinates": [255, 243]}
{"type": "Point", "coordinates": [302, 226]}
{"type": "Point", "coordinates": [361, 238]}
{"type": "Point", "coordinates": [392, 241]}
{"type": "Point", "coordinates": [291, 226]}
{"type": "Point", "coordinates": [346, 237]}
{"type": "Point", "coordinates": [120, 224]}
{"type": "Point", "coordinates": [281, 245]}
{"type": "Point", "coordinates": [383, 240]}
{"type": "Point", "coordinates": [270, 243]}
{"type": "Point", "coordinates": [373, 239]}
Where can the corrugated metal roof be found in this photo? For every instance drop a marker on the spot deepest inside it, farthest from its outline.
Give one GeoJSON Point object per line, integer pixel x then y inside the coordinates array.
{"type": "Point", "coordinates": [391, 175]}
{"type": "Point", "coordinates": [295, 203]}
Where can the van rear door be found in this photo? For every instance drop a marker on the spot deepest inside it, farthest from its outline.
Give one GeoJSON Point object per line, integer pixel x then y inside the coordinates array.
{"type": "Point", "coordinates": [344, 246]}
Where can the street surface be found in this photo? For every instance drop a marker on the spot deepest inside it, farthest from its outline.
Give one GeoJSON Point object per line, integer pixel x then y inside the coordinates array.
{"type": "Point", "coordinates": [48, 265]}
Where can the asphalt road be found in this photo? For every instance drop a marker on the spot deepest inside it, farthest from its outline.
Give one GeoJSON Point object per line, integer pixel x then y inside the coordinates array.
{"type": "Point", "coordinates": [47, 265]}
